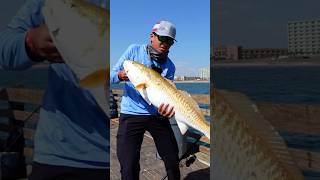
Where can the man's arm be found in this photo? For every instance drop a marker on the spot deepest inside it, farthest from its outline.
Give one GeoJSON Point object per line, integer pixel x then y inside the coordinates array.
{"type": "Point", "coordinates": [13, 54]}
{"type": "Point", "coordinates": [114, 74]}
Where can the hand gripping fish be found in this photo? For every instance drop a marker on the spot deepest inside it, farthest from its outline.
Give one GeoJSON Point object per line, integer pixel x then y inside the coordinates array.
{"type": "Point", "coordinates": [80, 31]}
{"type": "Point", "coordinates": [155, 89]}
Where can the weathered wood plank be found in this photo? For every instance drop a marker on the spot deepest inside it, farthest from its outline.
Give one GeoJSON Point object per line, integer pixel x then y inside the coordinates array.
{"type": "Point", "coordinates": [294, 118]}
{"type": "Point", "coordinates": [20, 115]}
{"type": "Point", "coordinates": [201, 98]}
{"type": "Point", "coordinates": [28, 133]}
{"type": "Point", "coordinates": [28, 152]}
{"type": "Point", "coordinates": [306, 160]}
{"type": "Point", "coordinates": [204, 150]}
{"type": "Point", "coordinates": [202, 139]}
{"type": "Point", "coordinates": [21, 95]}
{"type": "Point", "coordinates": [23, 115]}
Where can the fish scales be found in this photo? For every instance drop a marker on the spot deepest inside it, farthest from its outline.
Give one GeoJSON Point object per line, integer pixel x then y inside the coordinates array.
{"type": "Point", "coordinates": [183, 105]}
{"type": "Point", "coordinates": [246, 146]}
{"type": "Point", "coordinates": [83, 44]}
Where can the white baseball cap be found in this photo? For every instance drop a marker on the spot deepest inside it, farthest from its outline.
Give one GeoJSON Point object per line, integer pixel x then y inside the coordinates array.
{"type": "Point", "coordinates": [165, 28]}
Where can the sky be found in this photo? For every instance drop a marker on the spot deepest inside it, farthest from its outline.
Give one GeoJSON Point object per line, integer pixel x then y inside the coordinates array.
{"type": "Point", "coordinates": [132, 21]}
{"type": "Point", "coordinates": [250, 23]}
{"type": "Point", "coordinates": [258, 23]}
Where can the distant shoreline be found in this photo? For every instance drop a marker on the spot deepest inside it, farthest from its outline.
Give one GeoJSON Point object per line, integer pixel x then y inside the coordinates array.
{"type": "Point", "coordinates": [177, 82]}
{"type": "Point", "coordinates": [191, 82]}
{"type": "Point", "coordinates": [264, 64]}
{"type": "Point", "coordinates": [268, 62]}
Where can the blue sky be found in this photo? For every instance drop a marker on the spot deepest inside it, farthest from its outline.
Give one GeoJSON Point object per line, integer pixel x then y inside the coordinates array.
{"type": "Point", "coordinates": [258, 24]}
{"type": "Point", "coordinates": [132, 21]}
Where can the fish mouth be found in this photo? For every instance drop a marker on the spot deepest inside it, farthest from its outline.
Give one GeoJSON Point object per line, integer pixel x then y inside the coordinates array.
{"type": "Point", "coordinates": [126, 65]}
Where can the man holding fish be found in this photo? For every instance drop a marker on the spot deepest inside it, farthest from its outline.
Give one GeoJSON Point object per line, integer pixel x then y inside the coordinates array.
{"type": "Point", "coordinates": [138, 115]}
{"type": "Point", "coordinates": [72, 136]}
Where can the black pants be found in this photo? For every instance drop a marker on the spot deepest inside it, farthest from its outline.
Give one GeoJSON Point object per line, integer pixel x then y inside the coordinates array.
{"type": "Point", "coordinates": [129, 139]}
{"type": "Point", "coordinates": [50, 172]}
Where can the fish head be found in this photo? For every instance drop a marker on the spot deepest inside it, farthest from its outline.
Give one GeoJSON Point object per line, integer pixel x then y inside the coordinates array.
{"type": "Point", "coordinates": [136, 72]}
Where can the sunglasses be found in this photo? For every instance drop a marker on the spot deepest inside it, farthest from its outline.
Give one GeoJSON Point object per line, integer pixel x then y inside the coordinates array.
{"type": "Point", "coordinates": [165, 39]}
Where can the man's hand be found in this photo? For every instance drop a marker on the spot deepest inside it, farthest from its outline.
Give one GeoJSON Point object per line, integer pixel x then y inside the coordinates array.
{"type": "Point", "coordinates": [40, 46]}
{"type": "Point", "coordinates": [165, 110]}
{"type": "Point", "coordinates": [123, 76]}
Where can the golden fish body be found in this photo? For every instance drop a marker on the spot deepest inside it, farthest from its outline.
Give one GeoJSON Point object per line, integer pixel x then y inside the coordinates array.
{"type": "Point", "coordinates": [156, 90]}
{"type": "Point", "coordinates": [80, 31]}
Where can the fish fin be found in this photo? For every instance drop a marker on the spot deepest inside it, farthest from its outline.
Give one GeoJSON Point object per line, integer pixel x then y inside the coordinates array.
{"type": "Point", "coordinates": [144, 95]}
{"type": "Point", "coordinates": [183, 127]}
{"type": "Point", "coordinates": [193, 102]}
{"type": "Point", "coordinates": [140, 86]}
{"type": "Point", "coordinates": [99, 77]}
{"type": "Point", "coordinates": [171, 82]}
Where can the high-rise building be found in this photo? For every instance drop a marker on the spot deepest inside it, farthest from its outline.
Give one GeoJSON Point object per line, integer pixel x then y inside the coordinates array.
{"type": "Point", "coordinates": [204, 73]}
{"type": "Point", "coordinates": [304, 37]}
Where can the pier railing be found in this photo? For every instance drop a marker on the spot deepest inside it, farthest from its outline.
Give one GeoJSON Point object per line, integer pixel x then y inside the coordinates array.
{"type": "Point", "coordinates": [22, 111]}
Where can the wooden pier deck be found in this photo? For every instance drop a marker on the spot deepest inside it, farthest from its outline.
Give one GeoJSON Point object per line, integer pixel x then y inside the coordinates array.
{"type": "Point", "coordinates": [153, 168]}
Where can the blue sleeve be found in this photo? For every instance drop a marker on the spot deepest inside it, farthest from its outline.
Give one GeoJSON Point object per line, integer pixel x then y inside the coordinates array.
{"type": "Point", "coordinates": [119, 65]}
{"type": "Point", "coordinates": [13, 54]}
{"type": "Point", "coordinates": [171, 71]}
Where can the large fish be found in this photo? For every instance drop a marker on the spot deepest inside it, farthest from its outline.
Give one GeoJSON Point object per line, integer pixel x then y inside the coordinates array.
{"type": "Point", "coordinates": [156, 90]}
{"type": "Point", "coordinates": [246, 146]}
{"type": "Point", "coordinates": [80, 31]}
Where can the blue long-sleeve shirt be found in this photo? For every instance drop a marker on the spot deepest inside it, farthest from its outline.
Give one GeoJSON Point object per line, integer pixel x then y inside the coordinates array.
{"type": "Point", "coordinates": [132, 102]}
{"type": "Point", "coordinates": [72, 129]}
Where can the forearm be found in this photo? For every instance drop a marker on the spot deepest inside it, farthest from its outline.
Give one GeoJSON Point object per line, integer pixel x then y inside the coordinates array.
{"type": "Point", "coordinates": [114, 77]}
{"type": "Point", "coordinates": [114, 73]}
{"type": "Point", "coordinates": [13, 53]}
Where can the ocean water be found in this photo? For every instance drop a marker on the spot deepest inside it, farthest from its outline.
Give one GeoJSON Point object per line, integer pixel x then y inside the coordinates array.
{"type": "Point", "coordinates": [192, 88]}
{"type": "Point", "coordinates": [274, 84]}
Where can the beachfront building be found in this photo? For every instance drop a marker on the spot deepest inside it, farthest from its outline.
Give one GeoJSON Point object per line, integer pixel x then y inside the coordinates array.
{"type": "Point", "coordinates": [179, 78]}
{"type": "Point", "coordinates": [225, 52]}
{"type": "Point", "coordinates": [232, 52]}
{"type": "Point", "coordinates": [262, 53]}
{"type": "Point", "coordinates": [304, 37]}
{"type": "Point", "coordinates": [204, 73]}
